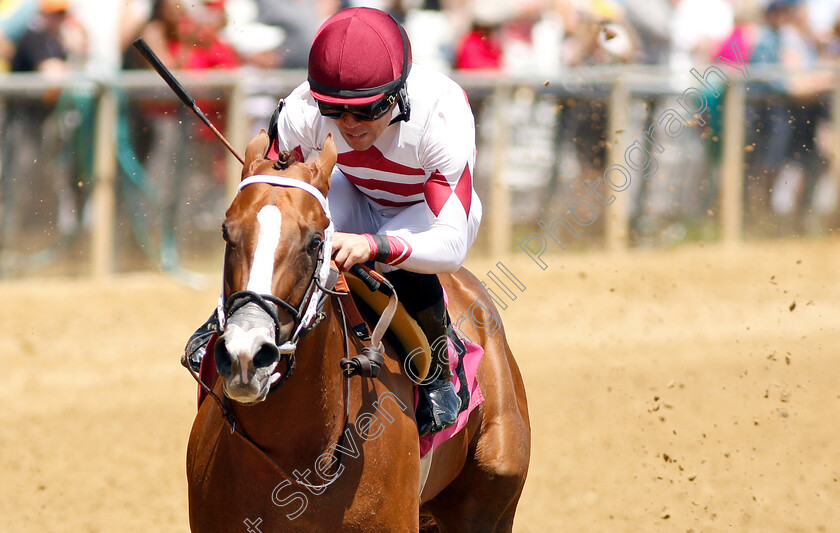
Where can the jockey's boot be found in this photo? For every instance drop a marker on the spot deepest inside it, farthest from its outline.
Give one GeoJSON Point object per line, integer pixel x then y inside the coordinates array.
{"type": "Point", "coordinates": [197, 345]}
{"type": "Point", "coordinates": [422, 296]}
{"type": "Point", "coordinates": [439, 403]}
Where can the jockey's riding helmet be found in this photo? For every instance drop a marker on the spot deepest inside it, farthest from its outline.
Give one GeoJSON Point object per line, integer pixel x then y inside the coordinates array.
{"type": "Point", "coordinates": [359, 61]}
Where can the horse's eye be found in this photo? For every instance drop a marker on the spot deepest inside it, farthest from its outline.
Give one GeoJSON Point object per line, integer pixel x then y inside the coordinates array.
{"type": "Point", "coordinates": [226, 235]}
{"type": "Point", "coordinates": [314, 244]}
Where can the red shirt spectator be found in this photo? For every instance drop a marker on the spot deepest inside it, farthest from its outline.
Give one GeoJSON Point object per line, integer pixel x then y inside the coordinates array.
{"type": "Point", "coordinates": [479, 49]}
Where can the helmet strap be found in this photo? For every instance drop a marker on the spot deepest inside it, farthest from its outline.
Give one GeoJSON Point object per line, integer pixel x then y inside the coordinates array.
{"type": "Point", "coordinates": [405, 106]}
{"type": "Point", "coordinates": [272, 126]}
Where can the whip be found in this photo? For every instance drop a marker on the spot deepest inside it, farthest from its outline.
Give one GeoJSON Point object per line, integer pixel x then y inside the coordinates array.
{"type": "Point", "coordinates": [179, 90]}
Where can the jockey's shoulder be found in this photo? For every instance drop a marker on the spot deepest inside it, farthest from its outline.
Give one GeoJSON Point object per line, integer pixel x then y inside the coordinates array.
{"type": "Point", "coordinates": [428, 84]}
{"type": "Point", "coordinates": [437, 101]}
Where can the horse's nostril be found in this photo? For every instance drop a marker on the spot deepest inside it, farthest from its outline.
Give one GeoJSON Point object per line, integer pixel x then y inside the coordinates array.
{"type": "Point", "coordinates": [266, 356]}
{"type": "Point", "coordinates": [224, 362]}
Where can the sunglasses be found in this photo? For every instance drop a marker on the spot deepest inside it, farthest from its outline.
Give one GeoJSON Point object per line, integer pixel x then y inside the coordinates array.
{"type": "Point", "coordinates": [365, 112]}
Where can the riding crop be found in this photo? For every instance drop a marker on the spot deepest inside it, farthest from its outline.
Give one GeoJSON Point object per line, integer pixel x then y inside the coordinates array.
{"type": "Point", "coordinates": [179, 90]}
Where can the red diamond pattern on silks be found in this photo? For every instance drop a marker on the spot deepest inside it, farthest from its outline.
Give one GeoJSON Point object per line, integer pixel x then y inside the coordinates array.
{"type": "Point", "coordinates": [437, 191]}
{"type": "Point", "coordinates": [463, 190]}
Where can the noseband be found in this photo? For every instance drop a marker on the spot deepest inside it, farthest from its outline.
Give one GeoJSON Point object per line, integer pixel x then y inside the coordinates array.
{"type": "Point", "coordinates": [308, 313]}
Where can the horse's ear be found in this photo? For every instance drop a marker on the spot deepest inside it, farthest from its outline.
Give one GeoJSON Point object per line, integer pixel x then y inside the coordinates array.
{"type": "Point", "coordinates": [324, 165]}
{"type": "Point", "coordinates": [255, 153]}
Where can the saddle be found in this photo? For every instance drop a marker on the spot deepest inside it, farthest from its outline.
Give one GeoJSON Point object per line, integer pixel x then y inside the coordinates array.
{"type": "Point", "coordinates": [368, 293]}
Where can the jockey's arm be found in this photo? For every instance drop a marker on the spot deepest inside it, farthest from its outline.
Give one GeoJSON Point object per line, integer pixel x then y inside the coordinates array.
{"type": "Point", "coordinates": [434, 236]}
{"type": "Point", "coordinates": [417, 239]}
{"type": "Point", "coordinates": [422, 241]}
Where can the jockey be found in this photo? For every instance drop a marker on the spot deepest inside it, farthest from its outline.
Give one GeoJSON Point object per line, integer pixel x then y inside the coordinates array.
{"type": "Point", "coordinates": [401, 193]}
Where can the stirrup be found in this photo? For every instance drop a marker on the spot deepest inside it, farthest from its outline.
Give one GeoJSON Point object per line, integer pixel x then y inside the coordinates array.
{"type": "Point", "coordinates": [438, 407]}
{"type": "Point", "coordinates": [196, 347]}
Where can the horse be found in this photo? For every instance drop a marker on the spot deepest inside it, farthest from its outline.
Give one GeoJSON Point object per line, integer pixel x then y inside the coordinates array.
{"type": "Point", "coordinates": [318, 451]}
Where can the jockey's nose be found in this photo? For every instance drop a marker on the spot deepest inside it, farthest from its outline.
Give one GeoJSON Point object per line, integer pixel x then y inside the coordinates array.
{"type": "Point", "coordinates": [349, 120]}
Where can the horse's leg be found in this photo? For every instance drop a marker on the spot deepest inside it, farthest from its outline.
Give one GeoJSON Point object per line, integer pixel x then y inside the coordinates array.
{"type": "Point", "coordinates": [483, 497]}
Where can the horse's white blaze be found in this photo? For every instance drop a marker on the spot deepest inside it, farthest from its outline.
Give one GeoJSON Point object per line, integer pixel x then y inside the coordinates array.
{"type": "Point", "coordinates": [243, 368]}
{"type": "Point", "coordinates": [262, 267]}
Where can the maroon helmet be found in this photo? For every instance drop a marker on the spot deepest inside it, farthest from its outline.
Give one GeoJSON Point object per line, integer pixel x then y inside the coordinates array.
{"type": "Point", "coordinates": [358, 57]}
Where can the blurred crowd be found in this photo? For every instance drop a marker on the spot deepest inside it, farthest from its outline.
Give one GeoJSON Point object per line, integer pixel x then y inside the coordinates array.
{"type": "Point", "coordinates": [528, 38]}
{"type": "Point", "coordinates": [513, 36]}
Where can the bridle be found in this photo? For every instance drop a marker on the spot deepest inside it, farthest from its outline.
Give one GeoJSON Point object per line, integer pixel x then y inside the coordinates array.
{"type": "Point", "coordinates": [309, 312]}
{"type": "Point", "coordinates": [306, 315]}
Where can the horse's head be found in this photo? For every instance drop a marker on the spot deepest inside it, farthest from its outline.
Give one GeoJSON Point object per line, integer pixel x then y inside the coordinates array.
{"type": "Point", "coordinates": [277, 231]}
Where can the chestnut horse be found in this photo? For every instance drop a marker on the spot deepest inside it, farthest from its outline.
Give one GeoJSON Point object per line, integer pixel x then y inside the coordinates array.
{"type": "Point", "coordinates": [318, 451]}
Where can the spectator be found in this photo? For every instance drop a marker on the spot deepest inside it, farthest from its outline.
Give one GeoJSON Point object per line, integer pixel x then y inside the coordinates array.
{"type": "Point", "coordinates": [831, 45]}
{"type": "Point", "coordinates": [821, 16]}
{"type": "Point", "coordinates": [744, 35]}
{"type": "Point", "coordinates": [532, 39]}
{"type": "Point", "coordinates": [183, 38]}
{"type": "Point", "coordinates": [597, 36]}
{"type": "Point", "coordinates": [46, 46]}
{"type": "Point", "coordinates": [299, 20]}
{"type": "Point", "coordinates": [431, 25]}
{"type": "Point", "coordinates": [257, 44]}
{"type": "Point", "coordinates": [698, 27]}
{"type": "Point", "coordinates": [187, 38]}
{"type": "Point", "coordinates": [651, 20]}
{"type": "Point", "coordinates": [15, 16]}
{"type": "Point", "coordinates": [481, 47]}
{"type": "Point", "coordinates": [785, 123]}
{"type": "Point", "coordinates": [202, 45]}
{"type": "Point", "coordinates": [53, 45]}
{"type": "Point", "coordinates": [601, 36]}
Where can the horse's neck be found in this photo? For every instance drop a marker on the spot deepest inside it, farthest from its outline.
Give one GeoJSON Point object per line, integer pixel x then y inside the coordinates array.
{"type": "Point", "coordinates": [309, 408]}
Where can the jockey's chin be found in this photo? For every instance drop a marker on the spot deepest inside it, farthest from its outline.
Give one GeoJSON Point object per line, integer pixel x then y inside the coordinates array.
{"type": "Point", "coordinates": [361, 134]}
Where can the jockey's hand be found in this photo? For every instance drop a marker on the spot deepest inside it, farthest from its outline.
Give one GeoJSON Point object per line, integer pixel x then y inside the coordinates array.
{"type": "Point", "coordinates": [350, 249]}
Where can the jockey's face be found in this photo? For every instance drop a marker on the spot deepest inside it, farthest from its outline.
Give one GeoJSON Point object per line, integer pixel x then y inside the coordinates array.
{"type": "Point", "coordinates": [361, 134]}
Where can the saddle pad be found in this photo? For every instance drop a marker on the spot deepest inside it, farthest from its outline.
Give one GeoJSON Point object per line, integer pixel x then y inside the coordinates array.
{"type": "Point", "coordinates": [404, 327]}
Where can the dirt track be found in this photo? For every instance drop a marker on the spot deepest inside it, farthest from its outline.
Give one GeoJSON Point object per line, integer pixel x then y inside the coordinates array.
{"type": "Point", "coordinates": [669, 391]}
